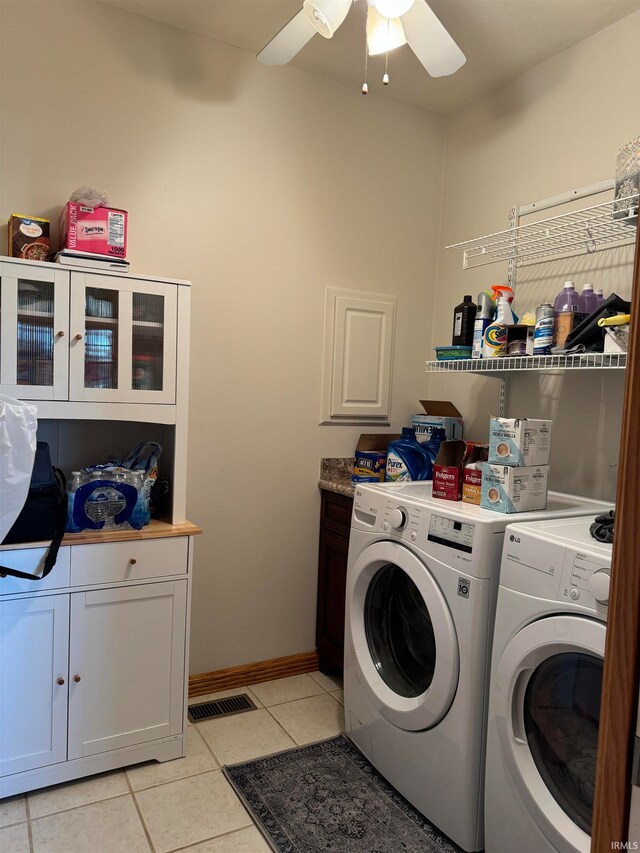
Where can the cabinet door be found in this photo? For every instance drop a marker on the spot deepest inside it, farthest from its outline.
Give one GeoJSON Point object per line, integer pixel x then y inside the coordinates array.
{"type": "Point", "coordinates": [33, 682]}
{"type": "Point", "coordinates": [34, 332]}
{"type": "Point", "coordinates": [126, 666]}
{"type": "Point", "coordinates": [123, 340]}
{"type": "Point", "coordinates": [332, 584]}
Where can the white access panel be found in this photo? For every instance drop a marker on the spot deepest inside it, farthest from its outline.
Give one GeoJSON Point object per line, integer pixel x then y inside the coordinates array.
{"type": "Point", "coordinates": [358, 356]}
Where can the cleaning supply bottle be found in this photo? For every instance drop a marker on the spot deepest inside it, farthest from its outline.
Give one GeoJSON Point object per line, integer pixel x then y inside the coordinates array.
{"type": "Point", "coordinates": [565, 307]}
{"type": "Point", "coordinates": [464, 316]}
{"type": "Point", "coordinates": [588, 300]}
{"type": "Point", "coordinates": [506, 291]}
{"type": "Point", "coordinates": [407, 459]}
{"type": "Point", "coordinates": [600, 295]}
{"type": "Point", "coordinates": [485, 312]}
{"type": "Point", "coordinates": [495, 336]}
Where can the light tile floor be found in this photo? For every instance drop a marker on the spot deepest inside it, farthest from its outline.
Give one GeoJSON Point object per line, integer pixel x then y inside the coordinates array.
{"type": "Point", "coordinates": [184, 805]}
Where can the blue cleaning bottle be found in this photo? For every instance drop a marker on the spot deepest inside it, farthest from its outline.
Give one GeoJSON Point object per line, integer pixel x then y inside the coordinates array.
{"type": "Point", "coordinates": [407, 459]}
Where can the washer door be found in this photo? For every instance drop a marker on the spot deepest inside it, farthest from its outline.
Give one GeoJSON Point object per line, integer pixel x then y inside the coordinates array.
{"type": "Point", "coordinates": [548, 683]}
{"type": "Point", "coordinates": [403, 636]}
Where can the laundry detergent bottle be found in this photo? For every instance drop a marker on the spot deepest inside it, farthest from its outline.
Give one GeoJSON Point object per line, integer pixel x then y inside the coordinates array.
{"type": "Point", "coordinates": [407, 459]}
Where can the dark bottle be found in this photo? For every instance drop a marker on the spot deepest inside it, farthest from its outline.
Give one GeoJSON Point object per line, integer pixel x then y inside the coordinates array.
{"type": "Point", "coordinates": [464, 316]}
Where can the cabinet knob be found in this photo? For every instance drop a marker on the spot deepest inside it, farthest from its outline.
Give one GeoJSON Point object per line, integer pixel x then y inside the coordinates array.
{"type": "Point", "coordinates": [60, 681]}
{"type": "Point", "coordinates": [60, 334]}
{"type": "Point", "coordinates": [78, 337]}
{"type": "Point", "coordinates": [132, 561]}
{"type": "Point", "coordinates": [77, 678]}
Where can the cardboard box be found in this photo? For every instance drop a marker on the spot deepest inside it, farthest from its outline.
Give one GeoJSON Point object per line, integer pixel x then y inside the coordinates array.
{"type": "Point", "coordinates": [508, 489]}
{"type": "Point", "coordinates": [519, 441]}
{"type": "Point", "coordinates": [447, 470]}
{"type": "Point", "coordinates": [437, 414]}
{"type": "Point", "coordinates": [28, 237]}
{"type": "Point", "coordinates": [472, 477]}
{"type": "Point", "coordinates": [93, 230]}
{"type": "Point", "coordinates": [370, 461]}
{"type": "Point", "coordinates": [520, 337]}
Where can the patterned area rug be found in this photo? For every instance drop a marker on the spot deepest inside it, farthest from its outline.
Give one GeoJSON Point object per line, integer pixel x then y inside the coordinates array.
{"type": "Point", "coordinates": [327, 797]}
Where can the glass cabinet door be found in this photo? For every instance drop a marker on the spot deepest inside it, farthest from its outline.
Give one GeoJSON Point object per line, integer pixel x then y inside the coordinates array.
{"type": "Point", "coordinates": [123, 339]}
{"type": "Point", "coordinates": [34, 322]}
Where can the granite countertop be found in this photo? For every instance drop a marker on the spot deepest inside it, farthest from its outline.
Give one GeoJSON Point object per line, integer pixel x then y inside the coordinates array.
{"type": "Point", "coordinates": [335, 475]}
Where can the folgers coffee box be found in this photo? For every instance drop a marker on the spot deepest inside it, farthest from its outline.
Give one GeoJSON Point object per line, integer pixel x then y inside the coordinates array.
{"type": "Point", "coordinates": [93, 230]}
{"type": "Point", "coordinates": [509, 489]}
{"type": "Point", "coordinates": [448, 468]}
{"type": "Point", "coordinates": [519, 441]}
{"type": "Point", "coordinates": [370, 462]}
{"type": "Point", "coordinates": [472, 474]}
{"type": "Point", "coordinates": [437, 414]}
{"type": "Point", "coordinates": [28, 237]}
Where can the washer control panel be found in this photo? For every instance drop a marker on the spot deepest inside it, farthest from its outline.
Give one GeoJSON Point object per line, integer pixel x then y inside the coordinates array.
{"type": "Point", "coordinates": [451, 533]}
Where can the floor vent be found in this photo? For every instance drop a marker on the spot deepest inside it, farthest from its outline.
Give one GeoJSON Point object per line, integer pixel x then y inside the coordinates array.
{"type": "Point", "coordinates": [221, 708]}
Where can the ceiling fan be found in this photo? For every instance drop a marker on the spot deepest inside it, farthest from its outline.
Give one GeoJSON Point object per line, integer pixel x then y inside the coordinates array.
{"type": "Point", "coordinates": [412, 23]}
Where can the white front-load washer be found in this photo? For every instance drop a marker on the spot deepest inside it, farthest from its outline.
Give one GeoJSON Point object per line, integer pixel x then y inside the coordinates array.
{"type": "Point", "coordinates": [422, 580]}
{"type": "Point", "coordinates": [546, 678]}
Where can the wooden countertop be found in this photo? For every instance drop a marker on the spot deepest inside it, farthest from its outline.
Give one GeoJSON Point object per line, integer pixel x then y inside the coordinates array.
{"type": "Point", "coordinates": [155, 530]}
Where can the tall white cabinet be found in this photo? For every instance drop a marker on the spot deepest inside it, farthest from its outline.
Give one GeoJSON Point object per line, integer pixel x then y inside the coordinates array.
{"type": "Point", "coordinates": [94, 658]}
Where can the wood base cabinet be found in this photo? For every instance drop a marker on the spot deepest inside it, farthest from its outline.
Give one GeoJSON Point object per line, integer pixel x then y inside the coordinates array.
{"type": "Point", "coordinates": [93, 672]}
{"type": "Point", "coordinates": [335, 523]}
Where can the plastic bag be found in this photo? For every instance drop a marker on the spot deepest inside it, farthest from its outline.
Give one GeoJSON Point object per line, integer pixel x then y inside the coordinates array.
{"type": "Point", "coordinates": [89, 197]}
{"type": "Point", "coordinates": [144, 457]}
{"type": "Point", "coordinates": [18, 427]}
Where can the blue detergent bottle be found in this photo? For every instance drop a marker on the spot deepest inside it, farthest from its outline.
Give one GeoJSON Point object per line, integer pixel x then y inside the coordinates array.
{"type": "Point", "coordinates": [407, 459]}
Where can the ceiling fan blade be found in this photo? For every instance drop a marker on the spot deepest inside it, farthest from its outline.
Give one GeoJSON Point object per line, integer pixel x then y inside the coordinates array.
{"type": "Point", "coordinates": [430, 42]}
{"type": "Point", "coordinates": [289, 41]}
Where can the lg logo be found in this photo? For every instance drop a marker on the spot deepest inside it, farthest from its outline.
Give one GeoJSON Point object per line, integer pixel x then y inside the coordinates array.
{"type": "Point", "coordinates": [513, 538]}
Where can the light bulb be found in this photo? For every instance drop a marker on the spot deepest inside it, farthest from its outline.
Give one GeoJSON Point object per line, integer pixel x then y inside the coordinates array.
{"type": "Point", "coordinates": [383, 34]}
{"type": "Point", "coordinates": [392, 8]}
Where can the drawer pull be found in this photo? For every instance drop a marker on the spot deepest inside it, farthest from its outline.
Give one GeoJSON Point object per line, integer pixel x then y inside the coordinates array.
{"type": "Point", "coordinates": [132, 561]}
{"type": "Point", "coordinates": [77, 678]}
{"type": "Point", "coordinates": [60, 681]}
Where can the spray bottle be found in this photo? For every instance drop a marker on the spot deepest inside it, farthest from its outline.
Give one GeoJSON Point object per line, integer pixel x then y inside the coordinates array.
{"type": "Point", "coordinates": [495, 336]}
{"type": "Point", "coordinates": [484, 315]}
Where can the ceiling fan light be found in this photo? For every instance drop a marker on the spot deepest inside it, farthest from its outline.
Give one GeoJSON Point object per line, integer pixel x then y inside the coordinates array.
{"type": "Point", "coordinates": [326, 15]}
{"type": "Point", "coordinates": [383, 34]}
{"type": "Point", "coordinates": [392, 8]}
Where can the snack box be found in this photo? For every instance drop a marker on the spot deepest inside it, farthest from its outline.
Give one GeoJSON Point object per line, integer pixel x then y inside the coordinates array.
{"type": "Point", "coordinates": [93, 230]}
{"type": "Point", "coordinates": [370, 462]}
{"type": "Point", "coordinates": [519, 441]}
{"type": "Point", "coordinates": [28, 237]}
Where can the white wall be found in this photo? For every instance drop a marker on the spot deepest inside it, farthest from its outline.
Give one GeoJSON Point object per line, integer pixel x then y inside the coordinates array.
{"type": "Point", "coordinates": [557, 127]}
{"type": "Point", "coordinates": [262, 186]}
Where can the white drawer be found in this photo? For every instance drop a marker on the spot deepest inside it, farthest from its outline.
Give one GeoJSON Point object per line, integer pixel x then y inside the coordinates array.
{"type": "Point", "coordinates": [127, 561]}
{"type": "Point", "coordinates": [31, 560]}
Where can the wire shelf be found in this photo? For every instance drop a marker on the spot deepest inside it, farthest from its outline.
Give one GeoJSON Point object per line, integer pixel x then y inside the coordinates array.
{"type": "Point", "coordinates": [512, 364]}
{"type": "Point", "coordinates": [607, 225]}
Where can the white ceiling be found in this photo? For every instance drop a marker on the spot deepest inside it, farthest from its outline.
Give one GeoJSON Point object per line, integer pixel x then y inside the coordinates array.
{"type": "Point", "coordinates": [500, 38]}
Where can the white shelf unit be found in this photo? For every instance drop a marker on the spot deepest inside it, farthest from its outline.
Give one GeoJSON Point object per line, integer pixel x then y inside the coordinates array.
{"type": "Point", "coordinates": [607, 225]}
{"type": "Point", "coordinates": [539, 363]}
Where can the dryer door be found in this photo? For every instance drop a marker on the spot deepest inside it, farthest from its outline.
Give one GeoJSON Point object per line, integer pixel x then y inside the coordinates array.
{"type": "Point", "coordinates": [547, 685]}
{"type": "Point", "coordinates": [403, 636]}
